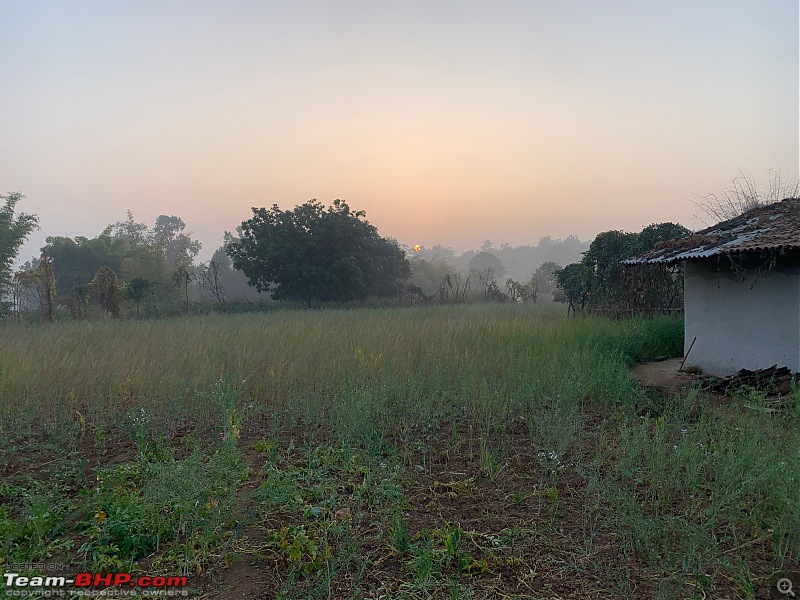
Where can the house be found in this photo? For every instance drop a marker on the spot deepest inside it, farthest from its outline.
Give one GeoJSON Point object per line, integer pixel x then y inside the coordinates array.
{"type": "Point", "coordinates": [741, 289]}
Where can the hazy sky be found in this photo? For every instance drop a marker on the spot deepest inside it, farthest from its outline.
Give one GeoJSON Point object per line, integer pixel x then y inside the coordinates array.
{"type": "Point", "coordinates": [447, 121]}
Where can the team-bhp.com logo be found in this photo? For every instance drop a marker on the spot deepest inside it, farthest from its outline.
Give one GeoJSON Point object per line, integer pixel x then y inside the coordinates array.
{"type": "Point", "coordinates": [95, 581]}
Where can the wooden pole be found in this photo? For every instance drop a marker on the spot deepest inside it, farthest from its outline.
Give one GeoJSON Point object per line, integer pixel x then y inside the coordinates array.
{"type": "Point", "coordinates": [687, 354]}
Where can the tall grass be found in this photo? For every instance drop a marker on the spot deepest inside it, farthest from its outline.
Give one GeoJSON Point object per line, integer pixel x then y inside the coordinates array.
{"type": "Point", "coordinates": [694, 490]}
{"type": "Point", "coordinates": [379, 366]}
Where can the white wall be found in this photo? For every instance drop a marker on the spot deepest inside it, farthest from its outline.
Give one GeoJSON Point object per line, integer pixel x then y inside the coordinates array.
{"type": "Point", "coordinates": [738, 327]}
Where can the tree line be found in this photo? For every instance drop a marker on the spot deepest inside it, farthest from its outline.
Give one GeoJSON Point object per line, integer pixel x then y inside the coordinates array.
{"type": "Point", "coordinates": [311, 254]}
{"type": "Point", "coordinates": [128, 266]}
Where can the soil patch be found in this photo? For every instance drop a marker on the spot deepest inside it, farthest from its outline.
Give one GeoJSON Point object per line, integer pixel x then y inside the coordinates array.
{"type": "Point", "coordinates": [663, 375]}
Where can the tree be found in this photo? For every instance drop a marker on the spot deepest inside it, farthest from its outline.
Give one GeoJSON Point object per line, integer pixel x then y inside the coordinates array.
{"type": "Point", "coordinates": [600, 282]}
{"type": "Point", "coordinates": [602, 262]}
{"type": "Point", "coordinates": [545, 277]}
{"type": "Point", "coordinates": [132, 232]}
{"type": "Point", "coordinates": [522, 291]}
{"type": "Point", "coordinates": [573, 282]}
{"type": "Point", "coordinates": [79, 301]}
{"type": "Point", "coordinates": [47, 282]}
{"type": "Point", "coordinates": [522, 260]}
{"type": "Point", "coordinates": [179, 247]}
{"type": "Point", "coordinates": [429, 274]}
{"type": "Point", "coordinates": [41, 282]}
{"type": "Point", "coordinates": [163, 255]}
{"type": "Point", "coordinates": [79, 259]}
{"type": "Point", "coordinates": [488, 282]}
{"type": "Point", "coordinates": [486, 260]}
{"type": "Point", "coordinates": [454, 288]}
{"type": "Point", "coordinates": [138, 290]}
{"type": "Point", "coordinates": [314, 253]}
{"type": "Point", "coordinates": [17, 287]}
{"type": "Point", "coordinates": [661, 232]}
{"type": "Point", "coordinates": [154, 254]}
{"type": "Point", "coordinates": [14, 230]}
{"type": "Point", "coordinates": [182, 277]}
{"type": "Point", "coordinates": [106, 288]}
{"type": "Point", "coordinates": [233, 282]}
{"type": "Point", "coordinates": [146, 261]}
{"type": "Point", "coordinates": [211, 280]}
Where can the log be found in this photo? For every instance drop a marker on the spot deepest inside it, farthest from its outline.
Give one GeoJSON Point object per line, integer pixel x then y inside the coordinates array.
{"type": "Point", "coordinates": [774, 380]}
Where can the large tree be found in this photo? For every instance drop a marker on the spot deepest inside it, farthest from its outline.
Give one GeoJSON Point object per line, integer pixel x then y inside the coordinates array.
{"type": "Point", "coordinates": [314, 253]}
{"type": "Point", "coordinates": [14, 230]}
{"type": "Point", "coordinates": [179, 247]}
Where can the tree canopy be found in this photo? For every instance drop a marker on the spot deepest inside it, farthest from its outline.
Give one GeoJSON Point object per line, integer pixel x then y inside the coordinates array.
{"type": "Point", "coordinates": [314, 253]}
{"type": "Point", "coordinates": [179, 247]}
{"type": "Point", "coordinates": [14, 230]}
{"type": "Point", "coordinates": [484, 261]}
{"type": "Point", "coordinates": [129, 248]}
{"type": "Point", "coordinates": [78, 259]}
{"type": "Point", "coordinates": [545, 276]}
{"type": "Point", "coordinates": [428, 275]}
{"type": "Point", "coordinates": [599, 280]}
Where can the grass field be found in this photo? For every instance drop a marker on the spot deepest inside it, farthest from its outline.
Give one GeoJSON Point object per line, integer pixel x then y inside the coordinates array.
{"type": "Point", "coordinates": [448, 452]}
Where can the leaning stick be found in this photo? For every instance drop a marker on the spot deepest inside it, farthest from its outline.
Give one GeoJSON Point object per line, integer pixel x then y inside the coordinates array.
{"type": "Point", "coordinates": [687, 354]}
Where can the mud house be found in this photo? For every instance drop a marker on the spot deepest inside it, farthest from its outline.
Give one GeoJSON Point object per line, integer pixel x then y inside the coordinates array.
{"type": "Point", "coordinates": [741, 289]}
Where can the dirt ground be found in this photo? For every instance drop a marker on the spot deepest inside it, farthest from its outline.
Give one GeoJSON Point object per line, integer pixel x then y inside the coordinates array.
{"type": "Point", "coordinates": [545, 563]}
{"type": "Point", "coordinates": [663, 375]}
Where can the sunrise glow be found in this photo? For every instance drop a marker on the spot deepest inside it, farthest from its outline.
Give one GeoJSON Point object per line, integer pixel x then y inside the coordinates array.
{"type": "Point", "coordinates": [448, 124]}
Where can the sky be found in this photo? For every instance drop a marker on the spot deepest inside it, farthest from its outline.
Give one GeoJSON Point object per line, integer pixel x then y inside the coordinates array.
{"type": "Point", "coordinates": [447, 122]}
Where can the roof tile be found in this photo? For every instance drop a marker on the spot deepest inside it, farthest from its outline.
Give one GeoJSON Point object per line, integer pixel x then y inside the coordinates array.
{"type": "Point", "coordinates": [766, 228]}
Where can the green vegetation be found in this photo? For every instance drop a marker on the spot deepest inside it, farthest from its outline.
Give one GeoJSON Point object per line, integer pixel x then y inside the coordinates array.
{"type": "Point", "coordinates": [600, 282]}
{"type": "Point", "coordinates": [313, 254]}
{"type": "Point", "coordinates": [14, 230]}
{"type": "Point", "coordinates": [467, 451]}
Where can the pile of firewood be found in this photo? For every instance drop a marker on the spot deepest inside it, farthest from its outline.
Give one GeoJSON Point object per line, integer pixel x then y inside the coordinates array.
{"type": "Point", "coordinates": [772, 380]}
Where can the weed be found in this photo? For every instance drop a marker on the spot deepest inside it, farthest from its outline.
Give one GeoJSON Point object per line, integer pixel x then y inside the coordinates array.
{"type": "Point", "coordinates": [424, 563]}
{"type": "Point", "coordinates": [138, 423]}
{"type": "Point", "coordinates": [304, 552]}
{"type": "Point", "coordinates": [519, 497]}
{"type": "Point", "coordinates": [490, 464]}
{"type": "Point", "coordinates": [398, 535]}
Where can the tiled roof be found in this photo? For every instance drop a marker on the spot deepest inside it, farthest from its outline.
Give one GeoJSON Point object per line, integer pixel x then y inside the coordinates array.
{"type": "Point", "coordinates": [766, 228]}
